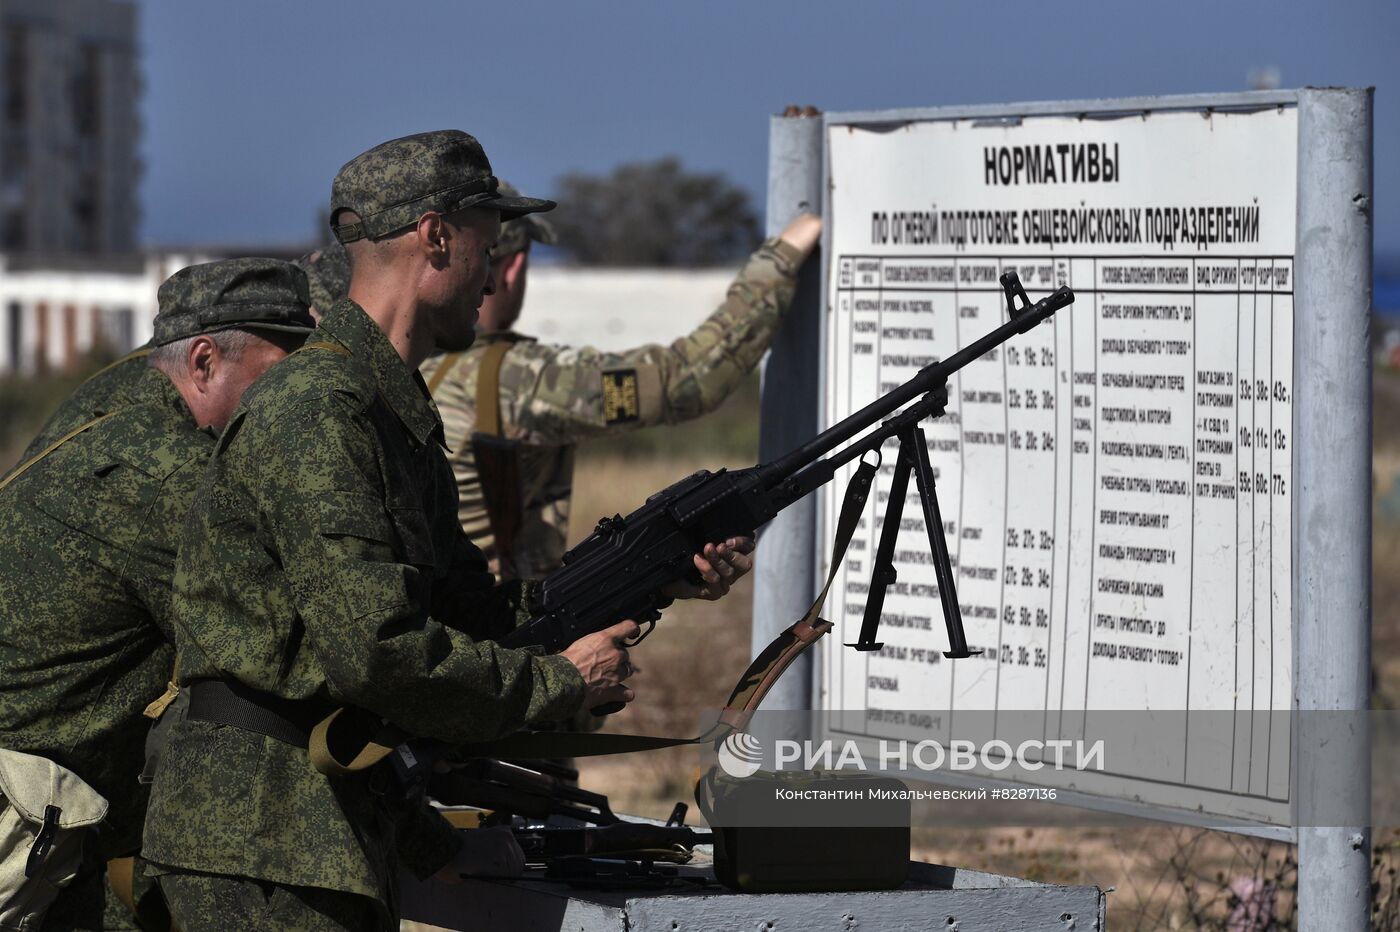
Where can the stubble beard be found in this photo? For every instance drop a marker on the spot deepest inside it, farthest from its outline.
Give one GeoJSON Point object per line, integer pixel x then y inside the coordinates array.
{"type": "Point", "coordinates": [454, 340]}
{"type": "Point", "coordinates": [456, 330]}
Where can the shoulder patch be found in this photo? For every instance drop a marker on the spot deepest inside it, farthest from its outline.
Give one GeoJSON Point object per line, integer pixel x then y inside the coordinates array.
{"type": "Point", "coordinates": [621, 404]}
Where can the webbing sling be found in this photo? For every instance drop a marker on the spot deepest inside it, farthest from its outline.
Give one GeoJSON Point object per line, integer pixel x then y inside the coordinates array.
{"type": "Point", "coordinates": [134, 354]}
{"type": "Point", "coordinates": [488, 388]}
{"type": "Point", "coordinates": [492, 379]}
{"type": "Point", "coordinates": [342, 744]}
{"type": "Point", "coordinates": [24, 467]}
{"type": "Point", "coordinates": [443, 368]}
{"type": "Point", "coordinates": [497, 461]}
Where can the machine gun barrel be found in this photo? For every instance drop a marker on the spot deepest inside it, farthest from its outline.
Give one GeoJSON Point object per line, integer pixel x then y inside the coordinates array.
{"type": "Point", "coordinates": [928, 379]}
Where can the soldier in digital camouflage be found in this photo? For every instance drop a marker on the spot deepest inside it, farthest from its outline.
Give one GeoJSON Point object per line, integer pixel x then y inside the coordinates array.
{"type": "Point", "coordinates": [322, 568]}
{"type": "Point", "coordinates": [549, 398]}
{"type": "Point", "coordinates": [88, 534]}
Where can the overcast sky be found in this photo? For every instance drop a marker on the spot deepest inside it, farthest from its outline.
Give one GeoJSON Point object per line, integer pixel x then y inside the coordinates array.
{"type": "Point", "coordinates": [251, 106]}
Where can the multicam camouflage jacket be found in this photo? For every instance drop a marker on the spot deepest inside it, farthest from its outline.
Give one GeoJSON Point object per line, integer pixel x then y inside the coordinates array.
{"type": "Point", "coordinates": [127, 381]}
{"type": "Point", "coordinates": [87, 550]}
{"type": "Point", "coordinates": [322, 562]}
{"type": "Point", "coordinates": [553, 397]}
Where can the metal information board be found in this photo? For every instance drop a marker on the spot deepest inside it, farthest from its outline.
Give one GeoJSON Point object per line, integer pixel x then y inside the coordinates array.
{"type": "Point", "coordinates": [1117, 486]}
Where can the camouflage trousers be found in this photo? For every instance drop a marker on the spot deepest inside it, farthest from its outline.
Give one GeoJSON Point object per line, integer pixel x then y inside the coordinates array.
{"type": "Point", "coordinates": [215, 903]}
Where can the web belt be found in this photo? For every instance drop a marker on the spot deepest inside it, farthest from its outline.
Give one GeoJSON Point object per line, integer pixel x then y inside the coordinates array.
{"type": "Point", "coordinates": [229, 702]}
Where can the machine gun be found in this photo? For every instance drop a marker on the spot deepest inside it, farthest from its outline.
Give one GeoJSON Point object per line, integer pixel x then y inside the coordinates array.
{"type": "Point", "coordinates": [622, 569]}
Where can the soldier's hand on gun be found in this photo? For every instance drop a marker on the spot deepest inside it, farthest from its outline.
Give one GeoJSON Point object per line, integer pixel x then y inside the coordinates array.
{"type": "Point", "coordinates": [720, 566]}
{"type": "Point", "coordinates": [485, 852]}
{"type": "Point", "coordinates": [601, 658]}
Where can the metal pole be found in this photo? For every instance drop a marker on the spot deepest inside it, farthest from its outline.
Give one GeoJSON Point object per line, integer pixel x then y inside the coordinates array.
{"type": "Point", "coordinates": [785, 566]}
{"type": "Point", "coordinates": [1332, 565]}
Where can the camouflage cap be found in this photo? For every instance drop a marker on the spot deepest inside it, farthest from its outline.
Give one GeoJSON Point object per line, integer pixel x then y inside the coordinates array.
{"type": "Point", "coordinates": [398, 181]}
{"type": "Point", "coordinates": [327, 273]}
{"type": "Point", "coordinates": [516, 234]}
{"type": "Point", "coordinates": [254, 294]}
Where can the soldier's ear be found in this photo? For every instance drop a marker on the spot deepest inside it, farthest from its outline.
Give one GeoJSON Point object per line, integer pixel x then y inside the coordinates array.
{"type": "Point", "coordinates": [512, 269]}
{"type": "Point", "coordinates": [201, 361]}
{"type": "Point", "coordinates": [432, 233]}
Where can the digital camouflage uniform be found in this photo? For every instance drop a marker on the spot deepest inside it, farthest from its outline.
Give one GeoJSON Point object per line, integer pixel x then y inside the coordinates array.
{"type": "Point", "coordinates": [553, 397]}
{"type": "Point", "coordinates": [87, 549]}
{"type": "Point", "coordinates": [323, 562]}
{"type": "Point", "coordinates": [88, 536]}
{"type": "Point", "coordinates": [126, 381]}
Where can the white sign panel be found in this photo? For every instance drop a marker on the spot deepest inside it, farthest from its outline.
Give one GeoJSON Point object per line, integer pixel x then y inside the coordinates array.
{"type": "Point", "coordinates": [1115, 485]}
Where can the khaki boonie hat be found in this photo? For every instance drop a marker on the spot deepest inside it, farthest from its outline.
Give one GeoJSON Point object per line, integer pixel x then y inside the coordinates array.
{"type": "Point", "coordinates": [398, 181]}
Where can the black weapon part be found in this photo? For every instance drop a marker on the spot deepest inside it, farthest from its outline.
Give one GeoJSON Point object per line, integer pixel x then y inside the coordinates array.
{"type": "Point", "coordinates": [637, 840]}
{"type": "Point", "coordinates": [621, 570]}
{"type": "Point", "coordinates": [518, 790]}
{"type": "Point", "coordinates": [1011, 284]}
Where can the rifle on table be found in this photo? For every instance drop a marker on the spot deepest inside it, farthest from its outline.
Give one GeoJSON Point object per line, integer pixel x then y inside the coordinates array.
{"type": "Point", "coordinates": [638, 841]}
{"type": "Point", "coordinates": [532, 796]}
{"type": "Point", "coordinates": [622, 569]}
{"type": "Point", "coordinates": [533, 789]}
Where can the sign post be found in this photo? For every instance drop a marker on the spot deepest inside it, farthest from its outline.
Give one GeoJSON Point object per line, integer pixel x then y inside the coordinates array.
{"type": "Point", "coordinates": [1333, 565]}
{"type": "Point", "coordinates": [1158, 502]}
{"type": "Point", "coordinates": [784, 578]}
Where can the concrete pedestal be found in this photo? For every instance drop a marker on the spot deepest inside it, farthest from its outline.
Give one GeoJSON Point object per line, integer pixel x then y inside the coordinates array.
{"type": "Point", "coordinates": [935, 897]}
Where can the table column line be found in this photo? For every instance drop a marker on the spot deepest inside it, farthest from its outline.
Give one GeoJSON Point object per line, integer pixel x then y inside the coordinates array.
{"type": "Point", "coordinates": [1094, 502]}
{"type": "Point", "coordinates": [1005, 521]}
{"type": "Point", "coordinates": [1269, 737]}
{"type": "Point", "coordinates": [1069, 525]}
{"type": "Point", "coordinates": [962, 479]}
{"type": "Point", "coordinates": [1054, 523]}
{"type": "Point", "coordinates": [1191, 548]}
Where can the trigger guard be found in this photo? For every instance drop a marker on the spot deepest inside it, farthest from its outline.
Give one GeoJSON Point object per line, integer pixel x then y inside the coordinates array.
{"type": "Point", "coordinates": [641, 636]}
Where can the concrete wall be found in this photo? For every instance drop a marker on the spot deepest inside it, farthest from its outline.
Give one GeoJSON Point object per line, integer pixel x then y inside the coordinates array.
{"type": "Point", "coordinates": [49, 316]}
{"type": "Point", "coordinates": [617, 309]}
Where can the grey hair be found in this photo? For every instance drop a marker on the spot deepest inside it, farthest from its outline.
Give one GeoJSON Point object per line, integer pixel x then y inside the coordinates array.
{"type": "Point", "coordinates": [170, 358]}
